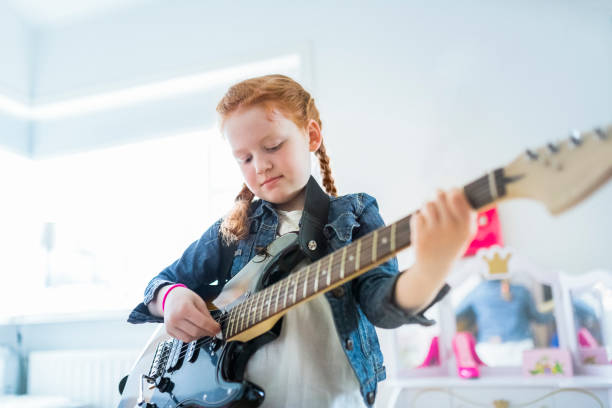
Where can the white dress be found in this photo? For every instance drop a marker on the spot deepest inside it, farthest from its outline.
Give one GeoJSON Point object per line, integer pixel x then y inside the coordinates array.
{"type": "Point", "coordinates": [306, 365]}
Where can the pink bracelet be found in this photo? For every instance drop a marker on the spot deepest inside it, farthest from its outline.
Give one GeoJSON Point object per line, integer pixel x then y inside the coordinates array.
{"type": "Point", "coordinates": [168, 291]}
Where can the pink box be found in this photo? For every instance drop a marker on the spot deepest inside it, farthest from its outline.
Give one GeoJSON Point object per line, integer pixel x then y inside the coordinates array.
{"type": "Point", "coordinates": [547, 362]}
{"type": "Point", "coordinates": [593, 355]}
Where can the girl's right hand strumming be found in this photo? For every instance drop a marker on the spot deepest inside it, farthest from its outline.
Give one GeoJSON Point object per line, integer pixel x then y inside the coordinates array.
{"type": "Point", "coordinates": [186, 316]}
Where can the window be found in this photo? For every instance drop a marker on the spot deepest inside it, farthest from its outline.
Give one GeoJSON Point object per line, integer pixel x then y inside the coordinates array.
{"type": "Point", "coordinates": [89, 230]}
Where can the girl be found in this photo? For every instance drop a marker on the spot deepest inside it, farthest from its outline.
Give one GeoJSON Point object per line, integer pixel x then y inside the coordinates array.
{"type": "Point", "coordinates": [327, 353]}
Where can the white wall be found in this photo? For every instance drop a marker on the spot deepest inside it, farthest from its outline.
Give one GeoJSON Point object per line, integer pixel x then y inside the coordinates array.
{"type": "Point", "coordinates": [428, 94]}
{"type": "Point", "coordinates": [15, 47]}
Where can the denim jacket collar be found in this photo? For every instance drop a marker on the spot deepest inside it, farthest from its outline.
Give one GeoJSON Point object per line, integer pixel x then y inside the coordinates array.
{"type": "Point", "coordinates": [260, 205]}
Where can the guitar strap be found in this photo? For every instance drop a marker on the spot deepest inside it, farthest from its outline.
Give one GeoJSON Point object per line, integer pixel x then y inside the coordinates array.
{"type": "Point", "coordinates": [314, 217]}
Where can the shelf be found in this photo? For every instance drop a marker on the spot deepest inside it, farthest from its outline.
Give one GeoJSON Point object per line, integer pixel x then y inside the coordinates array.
{"type": "Point", "coordinates": [504, 381]}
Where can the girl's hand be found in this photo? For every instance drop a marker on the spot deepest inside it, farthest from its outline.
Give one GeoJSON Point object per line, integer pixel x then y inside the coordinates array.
{"type": "Point", "coordinates": [186, 316]}
{"type": "Point", "coordinates": [442, 230]}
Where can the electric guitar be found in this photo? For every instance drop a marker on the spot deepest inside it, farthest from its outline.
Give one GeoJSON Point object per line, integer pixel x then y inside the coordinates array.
{"type": "Point", "coordinates": [209, 372]}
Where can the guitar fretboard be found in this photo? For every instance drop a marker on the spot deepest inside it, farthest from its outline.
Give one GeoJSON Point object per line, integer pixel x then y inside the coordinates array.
{"type": "Point", "coordinates": [344, 264]}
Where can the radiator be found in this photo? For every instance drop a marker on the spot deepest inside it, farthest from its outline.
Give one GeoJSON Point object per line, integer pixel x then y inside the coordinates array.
{"type": "Point", "coordinates": [87, 376]}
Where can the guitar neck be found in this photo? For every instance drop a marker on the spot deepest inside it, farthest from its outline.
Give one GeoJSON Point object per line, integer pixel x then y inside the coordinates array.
{"type": "Point", "coordinates": [345, 264]}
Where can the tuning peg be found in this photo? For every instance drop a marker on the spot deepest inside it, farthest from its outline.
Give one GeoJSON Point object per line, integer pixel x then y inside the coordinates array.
{"type": "Point", "coordinates": [531, 155]}
{"type": "Point", "coordinates": [553, 148]}
{"type": "Point", "coordinates": [601, 134]}
{"type": "Point", "coordinates": [575, 138]}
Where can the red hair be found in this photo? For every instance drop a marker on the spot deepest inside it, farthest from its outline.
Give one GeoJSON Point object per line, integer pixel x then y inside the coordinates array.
{"type": "Point", "coordinates": [286, 95]}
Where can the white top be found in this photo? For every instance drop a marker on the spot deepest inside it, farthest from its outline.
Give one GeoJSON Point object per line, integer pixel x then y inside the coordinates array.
{"type": "Point", "coordinates": [306, 365]}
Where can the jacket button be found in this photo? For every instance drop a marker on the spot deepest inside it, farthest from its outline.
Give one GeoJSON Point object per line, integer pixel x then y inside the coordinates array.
{"type": "Point", "coordinates": [371, 396]}
{"type": "Point", "coordinates": [338, 292]}
{"type": "Point", "coordinates": [348, 344]}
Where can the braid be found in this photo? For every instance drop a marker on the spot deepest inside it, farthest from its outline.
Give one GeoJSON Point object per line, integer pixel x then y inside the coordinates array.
{"type": "Point", "coordinates": [234, 226]}
{"type": "Point", "coordinates": [328, 180]}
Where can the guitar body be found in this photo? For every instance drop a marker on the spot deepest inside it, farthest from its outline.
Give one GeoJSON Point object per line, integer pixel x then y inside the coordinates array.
{"type": "Point", "coordinates": [209, 372]}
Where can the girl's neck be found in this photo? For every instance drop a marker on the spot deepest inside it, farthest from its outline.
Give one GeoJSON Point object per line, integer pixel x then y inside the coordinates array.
{"type": "Point", "coordinates": [295, 203]}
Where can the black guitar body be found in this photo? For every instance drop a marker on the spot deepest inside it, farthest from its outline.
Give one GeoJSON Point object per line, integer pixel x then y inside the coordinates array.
{"type": "Point", "coordinates": [209, 372]}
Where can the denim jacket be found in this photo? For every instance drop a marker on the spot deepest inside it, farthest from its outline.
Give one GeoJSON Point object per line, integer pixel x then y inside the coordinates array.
{"type": "Point", "coordinates": [357, 306]}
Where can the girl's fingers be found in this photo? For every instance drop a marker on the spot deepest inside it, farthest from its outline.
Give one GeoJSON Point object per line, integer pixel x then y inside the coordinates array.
{"type": "Point", "coordinates": [179, 334]}
{"type": "Point", "coordinates": [431, 213]}
{"type": "Point", "coordinates": [465, 213]}
{"type": "Point", "coordinates": [459, 206]}
{"type": "Point", "coordinates": [191, 329]}
{"type": "Point", "coordinates": [202, 321]}
{"type": "Point", "coordinates": [416, 223]}
{"type": "Point", "coordinates": [443, 207]}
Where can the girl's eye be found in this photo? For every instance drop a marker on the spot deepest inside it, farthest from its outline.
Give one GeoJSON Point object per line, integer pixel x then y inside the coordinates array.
{"type": "Point", "coordinates": [245, 160]}
{"type": "Point", "coordinates": [274, 148]}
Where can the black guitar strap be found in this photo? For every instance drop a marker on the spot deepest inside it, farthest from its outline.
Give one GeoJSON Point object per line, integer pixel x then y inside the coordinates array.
{"type": "Point", "coordinates": [314, 217]}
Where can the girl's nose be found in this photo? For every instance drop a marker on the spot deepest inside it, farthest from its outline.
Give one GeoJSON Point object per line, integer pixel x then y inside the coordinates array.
{"type": "Point", "coordinates": [262, 165]}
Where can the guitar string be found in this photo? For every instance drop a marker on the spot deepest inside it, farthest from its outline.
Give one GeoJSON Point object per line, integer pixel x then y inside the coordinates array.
{"type": "Point", "coordinates": [300, 285]}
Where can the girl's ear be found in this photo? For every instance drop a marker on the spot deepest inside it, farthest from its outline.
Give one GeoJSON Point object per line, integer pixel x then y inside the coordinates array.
{"type": "Point", "coordinates": [314, 135]}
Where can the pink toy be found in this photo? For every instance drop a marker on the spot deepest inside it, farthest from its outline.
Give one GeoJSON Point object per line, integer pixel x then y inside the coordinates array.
{"type": "Point", "coordinates": [593, 355]}
{"type": "Point", "coordinates": [586, 339]}
{"type": "Point", "coordinates": [548, 362]}
{"type": "Point", "coordinates": [488, 233]}
{"type": "Point", "coordinates": [467, 360]}
{"type": "Point", "coordinates": [433, 356]}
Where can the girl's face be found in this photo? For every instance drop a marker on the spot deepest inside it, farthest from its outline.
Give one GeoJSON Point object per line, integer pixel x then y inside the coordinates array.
{"type": "Point", "coordinates": [273, 153]}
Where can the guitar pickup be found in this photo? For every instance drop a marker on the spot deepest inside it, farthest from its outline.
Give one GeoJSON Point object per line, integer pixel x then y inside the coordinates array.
{"type": "Point", "coordinates": [192, 351]}
{"type": "Point", "coordinates": [176, 356]}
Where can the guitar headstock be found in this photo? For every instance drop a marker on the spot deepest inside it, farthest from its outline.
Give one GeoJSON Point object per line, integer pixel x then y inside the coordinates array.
{"type": "Point", "coordinates": [562, 174]}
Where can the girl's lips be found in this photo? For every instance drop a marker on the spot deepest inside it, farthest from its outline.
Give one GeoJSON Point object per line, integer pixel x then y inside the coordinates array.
{"type": "Point", "coordinates": [272, 180]}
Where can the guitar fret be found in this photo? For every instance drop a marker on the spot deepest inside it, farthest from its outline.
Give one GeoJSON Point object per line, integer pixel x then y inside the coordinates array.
{"type": "Point", "coordinates": [230, 323]}
{"type": "Point", "coordinates": [263, 301]}
{"type": "Point", "coordinates": [277, 295]}
{"type": "Point", "coordinates": [242, 311]}
{"type": "Point", "coordinates": [341, 265]}
{"type": "Point", "coordinates": [269, 302]}
{"type": "Point", "coordinates": [374, 245]}
{"type": "Point", "coordinates": [294, 290]}
{"type": "Point", "coordinates": [257, 308]}
{"type": "Point", "coordinates": [252, 311]}
{"type": "Point", "coordinates": [316, 283]}
{"type": "Point", "coordinates": [306, 282]}
{"type": "Point", "coordinates": [329, 267]}
{"type": "Point", "coordinates": [393, 227]}
{"type": "Point", "coordinates": [286, 292]}
{"type": "Point", "coordinates": [357, 255]}
{"type": "Point", "coordinates": [384, 240]}
{"type": "Point", "coordinates": [235, 326]}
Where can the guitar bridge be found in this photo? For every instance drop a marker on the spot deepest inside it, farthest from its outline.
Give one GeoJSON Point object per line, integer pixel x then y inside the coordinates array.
{"type": "Point", "coordinates": [162, 353]}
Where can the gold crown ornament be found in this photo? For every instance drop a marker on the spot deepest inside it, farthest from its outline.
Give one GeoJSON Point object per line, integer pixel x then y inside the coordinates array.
{"type": "Point", "coordinates": [497, 267]}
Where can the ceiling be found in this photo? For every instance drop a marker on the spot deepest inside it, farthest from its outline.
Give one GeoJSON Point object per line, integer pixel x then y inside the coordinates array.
{"type": "Point", "coordinates": [58, 12]}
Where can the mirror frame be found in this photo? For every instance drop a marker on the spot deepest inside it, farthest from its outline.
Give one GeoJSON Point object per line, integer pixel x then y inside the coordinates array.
{"type": "Point", "coordinates": [577, 282]}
